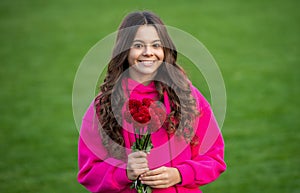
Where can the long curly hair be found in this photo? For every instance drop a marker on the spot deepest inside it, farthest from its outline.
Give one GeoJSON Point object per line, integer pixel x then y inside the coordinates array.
{"type": "Point", "coordinates": [170, 78]}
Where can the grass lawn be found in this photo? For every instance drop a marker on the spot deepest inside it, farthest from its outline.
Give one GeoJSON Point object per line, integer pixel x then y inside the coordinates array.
{"type": "Point", "coordinates": [255, 43]}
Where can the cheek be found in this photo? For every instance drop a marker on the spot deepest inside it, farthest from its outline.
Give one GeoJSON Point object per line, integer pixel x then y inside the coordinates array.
{"type": "Point", "coordinates": [161, 55]}
{"type": "Point", "coordinates": [130, 58]}
{"type": "Point", "coordinates": [158, 54]}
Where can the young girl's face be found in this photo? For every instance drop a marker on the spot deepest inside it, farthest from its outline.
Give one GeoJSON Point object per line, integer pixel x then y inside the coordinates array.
{"type": "Point", "coordinates": [146, 54]}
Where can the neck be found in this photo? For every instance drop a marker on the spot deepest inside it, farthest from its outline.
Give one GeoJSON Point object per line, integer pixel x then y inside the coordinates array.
{"type": "Point", "coordinates": [145, 80]}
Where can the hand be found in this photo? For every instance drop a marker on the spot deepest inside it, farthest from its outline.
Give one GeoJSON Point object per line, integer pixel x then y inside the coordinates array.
{"type": "Point", "coordinates": [162, 177]}
{"type": "Point", "coordinates": [137, 164]}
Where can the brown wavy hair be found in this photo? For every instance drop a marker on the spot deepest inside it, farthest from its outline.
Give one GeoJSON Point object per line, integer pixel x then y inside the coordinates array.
{"type": "Point", "coordinates": [170, 78]}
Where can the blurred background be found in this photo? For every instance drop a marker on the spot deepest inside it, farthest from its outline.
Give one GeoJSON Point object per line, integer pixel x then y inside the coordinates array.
{"type": "Point", "coordinates": [255, 43]}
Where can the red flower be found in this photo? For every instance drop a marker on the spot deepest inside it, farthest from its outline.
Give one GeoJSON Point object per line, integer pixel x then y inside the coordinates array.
{"type": "Point", "coordinates": [134, 104]}
{"type": "Point", "coordinates": [141, 117]}
{"type": "Point", "coordinates": [147, 102]}
{"type": "Point", "coordinates": [145, 113]}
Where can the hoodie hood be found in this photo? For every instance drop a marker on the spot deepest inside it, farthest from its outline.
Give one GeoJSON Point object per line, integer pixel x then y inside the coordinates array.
{"type": "Point", "coordinates": [136, 90]}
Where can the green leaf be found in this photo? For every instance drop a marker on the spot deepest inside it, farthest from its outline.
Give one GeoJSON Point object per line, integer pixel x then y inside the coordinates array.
{"type": "Point", "coordinates": [148, 189]}
{"type": "Point", "coordinates": [149, 147]}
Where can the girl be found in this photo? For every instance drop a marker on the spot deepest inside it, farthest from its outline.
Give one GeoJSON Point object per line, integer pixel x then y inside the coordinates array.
{"type": "Point", "coordinates": [188, 148]}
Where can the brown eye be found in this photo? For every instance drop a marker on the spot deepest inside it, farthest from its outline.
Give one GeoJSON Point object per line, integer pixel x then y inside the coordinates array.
{"type": "Point", "coordinates": [138, 45]}
{"type": "Point", "coordinates": [156, 45]}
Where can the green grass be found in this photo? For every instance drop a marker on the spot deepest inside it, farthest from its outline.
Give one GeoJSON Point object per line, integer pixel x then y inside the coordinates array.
{"type": "Point", "coordinates": [256, 44]}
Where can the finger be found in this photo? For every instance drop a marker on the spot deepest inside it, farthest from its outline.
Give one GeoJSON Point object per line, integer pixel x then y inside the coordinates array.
{"type": "Point", "coordinates": [138, 166]}
{"type": "Point", "coordinates": [155, 184]}
{"type": "Point", "coordinates": [153, 178]}
{"type": "Point", "coordinates": [137, 161]}
{"type": "Point", "coordinates": [155, 171]}
{"type": "Point", "coordinates": [133, 174]}
{"type": "Point", "coordinates": [138, 172]}
{"type": "Point", "coordinates": [138, 154]}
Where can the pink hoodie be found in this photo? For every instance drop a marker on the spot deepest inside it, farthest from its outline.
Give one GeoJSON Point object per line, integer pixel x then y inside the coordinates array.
{"type": "Point", "coordinates": [198, 164]}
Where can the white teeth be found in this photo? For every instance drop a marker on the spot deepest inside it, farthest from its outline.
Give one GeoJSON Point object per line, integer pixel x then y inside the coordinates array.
{"type": "Point", "coordinates": [146, 62]}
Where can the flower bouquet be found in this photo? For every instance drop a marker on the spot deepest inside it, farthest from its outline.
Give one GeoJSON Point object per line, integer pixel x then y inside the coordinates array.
{"type": "Point", "coordinates": [146, 116]}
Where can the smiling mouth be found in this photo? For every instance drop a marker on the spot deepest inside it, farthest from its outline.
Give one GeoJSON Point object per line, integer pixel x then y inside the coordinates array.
{"type": "Point", "coordinates": [146, 62]}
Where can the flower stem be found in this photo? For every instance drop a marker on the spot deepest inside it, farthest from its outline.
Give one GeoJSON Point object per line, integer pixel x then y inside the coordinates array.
{"type": "Point", "coordinates": [145, 145]}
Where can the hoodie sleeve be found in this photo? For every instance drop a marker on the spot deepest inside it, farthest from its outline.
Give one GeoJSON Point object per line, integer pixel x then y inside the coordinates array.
{"type": "Point", "coordinates": [207, 161]}
{"type": "Point", "coordinates": [98, 172]}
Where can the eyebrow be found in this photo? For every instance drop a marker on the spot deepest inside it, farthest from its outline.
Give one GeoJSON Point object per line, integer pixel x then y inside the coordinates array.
{"type": "Point", "coordinates": [145, 42]}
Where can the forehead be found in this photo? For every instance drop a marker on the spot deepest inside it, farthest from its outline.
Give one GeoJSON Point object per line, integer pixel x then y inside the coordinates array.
{"type": "Point", "coordinates": [146, 33]}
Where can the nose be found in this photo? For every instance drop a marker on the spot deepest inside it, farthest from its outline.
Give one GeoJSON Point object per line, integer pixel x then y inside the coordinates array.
{"type": "Point", "coordinates": [147, 51]}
